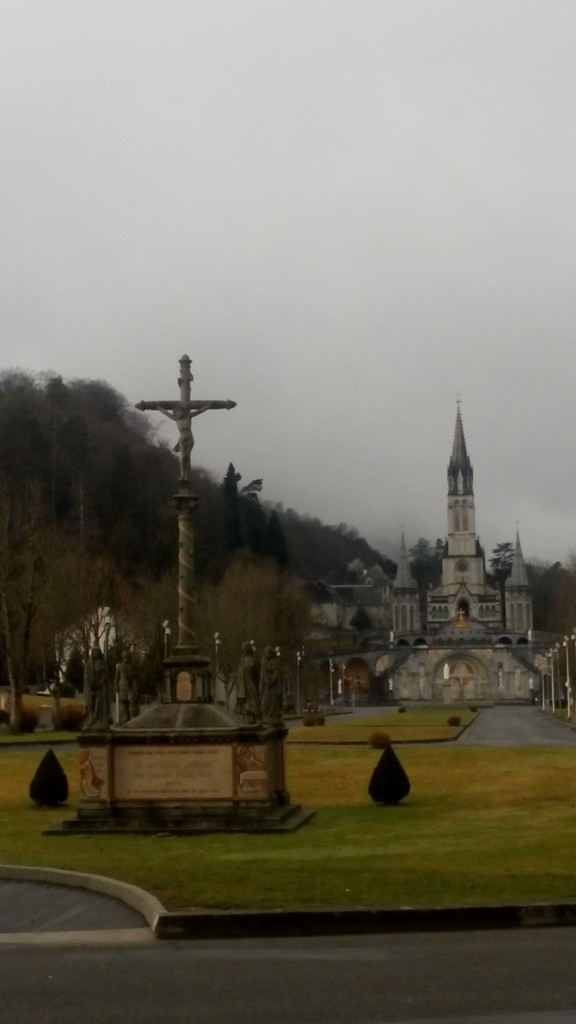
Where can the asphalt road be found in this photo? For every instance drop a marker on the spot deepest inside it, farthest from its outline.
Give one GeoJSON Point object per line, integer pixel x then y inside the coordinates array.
{"type": "Point", "coordinates": [514, 977]}
{"type": "Point", "coordinates": [517, 727]}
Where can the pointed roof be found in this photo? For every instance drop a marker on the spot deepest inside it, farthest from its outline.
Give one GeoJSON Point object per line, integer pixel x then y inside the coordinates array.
{"type": "Point", "coordinates": [404, 579]}
{"type": "Point", "coordinates": [518, 576]}
{"type": "Point", "coordinates": [460, 473]}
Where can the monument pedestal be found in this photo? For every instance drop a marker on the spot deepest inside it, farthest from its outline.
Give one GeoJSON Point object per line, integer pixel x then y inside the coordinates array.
{"type": "Point", "coordinates": [184, 768]}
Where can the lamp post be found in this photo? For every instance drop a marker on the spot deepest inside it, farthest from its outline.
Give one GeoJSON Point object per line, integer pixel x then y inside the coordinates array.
{"type": "Point", "coordinates": [166, 630]}
{"type": "Point", "coordinates": [107, 628]}
{"type": "Point", "coordinates": [215, 690]}
{"type": "Point", "coordinates": [566, 644]}
{"type": "Point", "coordinates": [299, 656]}
{"type": "Point", "coordinates": [553, 682]}
{"type": "Point", "coordinates": [331, 668]}
{"type": "Point", "coordinates": [572, 701]}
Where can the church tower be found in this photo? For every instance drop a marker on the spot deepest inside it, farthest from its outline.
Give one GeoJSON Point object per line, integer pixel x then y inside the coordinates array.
{"type": "Point", "coordinates": [518, 594]}
{"type": "Point", "coordinates": [405, 600]}
{"type": "Point", "coordinates": [464, 594]}
{"type": "Point", "coordinates": [461, 512]}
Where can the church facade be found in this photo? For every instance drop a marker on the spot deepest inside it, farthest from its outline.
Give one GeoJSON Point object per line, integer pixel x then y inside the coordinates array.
{"type": "Point", "coordinates": [467, 644]}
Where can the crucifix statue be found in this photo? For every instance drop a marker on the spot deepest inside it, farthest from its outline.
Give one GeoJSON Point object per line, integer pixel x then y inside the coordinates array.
{"type": "Point", "coordinates": [182, 412]}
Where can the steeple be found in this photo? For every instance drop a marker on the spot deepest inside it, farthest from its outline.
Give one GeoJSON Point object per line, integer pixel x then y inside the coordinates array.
{"type": "Point", "coordinates": [460, 474]}
{"type": "Point", "coordinates": [518, 576]}
{"type": "Point", "coordinates": [405, 599]}
{"type": "Point", "coordinates": [518, 594]}
{"type": "Point", "coordinates": [461, 514]}
{"type": "Point", "coordinates": [404, 579]}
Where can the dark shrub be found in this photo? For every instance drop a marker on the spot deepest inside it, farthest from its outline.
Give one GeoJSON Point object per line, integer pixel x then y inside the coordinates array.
{"type": "Point", "coordinates": [319, 719]}
{"type": "Point", "coordinates": [389, 783]}
{"type": "Point", "coordinates": [473, 709]}
{"type": "Point", "coordinates": [29, 719]}
{"type": "Point", "coordinates": [4, 717]}
{"type": "Point", "coordinates": [401, 711]}
{"type": "Point", "coordinates": [49, 787]}
{"type": "Point", "coordinates": [454, 720]}
{"type": "Point", "coordinates": [70, 718]}
{"type": "Point", "coordinates": [311, 720]}
{"type": "Point", "coordinates": [379, 740]}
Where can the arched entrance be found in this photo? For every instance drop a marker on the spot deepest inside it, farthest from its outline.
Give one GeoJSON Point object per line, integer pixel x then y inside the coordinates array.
{"type": "Point", "coordinates": [460, 677]}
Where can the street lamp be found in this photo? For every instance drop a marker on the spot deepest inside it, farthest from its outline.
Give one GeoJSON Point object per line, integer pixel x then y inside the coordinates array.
{"type": "Point", "coordinates": [299, 656]}
{"type": "Point", "coordinates": [331, 664]}
{"type": "Point", "coordinates": [167, 631]}
{"type": "Point", "coordinates": [566, 644]}
{"type": "Point", "coordinates": [217, 642]}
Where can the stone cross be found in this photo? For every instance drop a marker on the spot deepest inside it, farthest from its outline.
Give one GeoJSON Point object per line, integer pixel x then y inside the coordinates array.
{"type": "Point", "coordinates": [182, 411]}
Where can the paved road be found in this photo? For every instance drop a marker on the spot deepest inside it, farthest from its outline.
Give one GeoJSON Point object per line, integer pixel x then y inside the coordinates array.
{"type": "Point", "coordinates": [517, 727]}
{"type": "Point", "coordinates": [38, 908]}
{"type": "Point", "coordinates": [522, 977]}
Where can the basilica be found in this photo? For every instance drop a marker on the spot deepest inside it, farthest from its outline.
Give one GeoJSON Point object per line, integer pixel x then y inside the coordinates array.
{"type": "Point", "coordinates": [470, 643]}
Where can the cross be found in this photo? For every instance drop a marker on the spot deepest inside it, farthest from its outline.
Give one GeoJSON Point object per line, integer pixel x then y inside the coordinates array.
{"type": "Point", "coordinates": [182, 411]}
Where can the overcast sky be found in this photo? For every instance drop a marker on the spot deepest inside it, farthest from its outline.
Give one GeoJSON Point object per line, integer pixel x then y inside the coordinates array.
{"type": "Point", "coordinates": [347, 212]}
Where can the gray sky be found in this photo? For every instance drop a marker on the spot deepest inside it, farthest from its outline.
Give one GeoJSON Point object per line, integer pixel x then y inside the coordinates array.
{"type": "Point", "coordinates": [345, 211]}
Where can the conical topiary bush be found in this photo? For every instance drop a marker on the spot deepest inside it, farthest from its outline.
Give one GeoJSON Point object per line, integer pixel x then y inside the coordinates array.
{"type": "Point", "coordinates": [49, 787]}
{"type": "Point", "coordinates": [389, 783]}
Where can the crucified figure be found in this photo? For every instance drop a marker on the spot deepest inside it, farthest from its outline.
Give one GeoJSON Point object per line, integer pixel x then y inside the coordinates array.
{"type": "Point", "coordinates": [182, 412]}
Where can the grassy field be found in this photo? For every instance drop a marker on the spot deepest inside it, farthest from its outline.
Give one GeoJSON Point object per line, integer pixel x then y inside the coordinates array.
{"type": "Point", "coordinates": [414, 725]}
{"type": "Point", "coordinates": [480, 825]}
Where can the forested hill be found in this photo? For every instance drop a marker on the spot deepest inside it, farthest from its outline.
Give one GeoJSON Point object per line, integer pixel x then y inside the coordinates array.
{"type": "Point", "coordinates": [89, 465]}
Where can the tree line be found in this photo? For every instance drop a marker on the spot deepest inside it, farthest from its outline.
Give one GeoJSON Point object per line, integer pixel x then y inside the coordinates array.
{"type": "Point", "coordinates": [87, 524]}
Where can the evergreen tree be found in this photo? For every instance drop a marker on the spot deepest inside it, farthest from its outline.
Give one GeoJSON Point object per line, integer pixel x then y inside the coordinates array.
{"type": "Point", "coordinates": [361, 620]}
{"type": "Point", "coordinates": [274, 541]}
{"type": "Point", "coordinates": [232, 517]}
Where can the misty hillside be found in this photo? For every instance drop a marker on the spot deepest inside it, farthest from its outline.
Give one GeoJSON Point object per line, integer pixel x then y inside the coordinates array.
{"type": "Point", "coordinates": [106, 484]}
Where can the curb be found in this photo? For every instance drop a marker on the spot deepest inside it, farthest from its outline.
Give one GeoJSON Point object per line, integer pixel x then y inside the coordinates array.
{"type": "Point", "coordinates": [236, 924]}
{"type": "Point", "coordinates": [357, 921]}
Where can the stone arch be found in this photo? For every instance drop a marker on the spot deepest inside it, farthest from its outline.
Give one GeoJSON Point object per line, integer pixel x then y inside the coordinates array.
{"type": "Point", "coordinates": [460, 676]}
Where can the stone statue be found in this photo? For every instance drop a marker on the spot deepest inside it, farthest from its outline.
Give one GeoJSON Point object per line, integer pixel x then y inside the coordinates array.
{"type": "Point", "coordinates": [126, 687]}
{"type": "Point", "coordinates": [182, 413]}
{"type": "Point", "coordinates": [270, 692]}
{"type": "Point", "coordinates": [248, 685]}
{"type": "Point", "coordinates": [96, 690]}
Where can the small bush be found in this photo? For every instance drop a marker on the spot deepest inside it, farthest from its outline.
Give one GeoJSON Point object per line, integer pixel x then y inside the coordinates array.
{"type": "Point", "coordinates": [29, 719]}
{"type": "Point", "coordinates": [473, 709]}
{"type": "Point", "coordinates": [320, 719]}
{"type": "Point", "coordinates": [389, 783]}
{"type": "Point", "coordinates": [401, 710]}
{"type": "Point", "coordinates": [379, 740]}
{"type": "Point", "coordinates": [4, 717]}
{"type": "Point", "coordinates": [70, 718]}
{"type": "Point", "coordinates": [313, 720]}
{"type": "Point", "coordinates": [454, 720]}
{"type": "Point", "coordinates": [49, 787]}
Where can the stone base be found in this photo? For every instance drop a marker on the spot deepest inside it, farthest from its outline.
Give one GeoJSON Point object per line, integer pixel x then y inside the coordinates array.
{"type": "Point", "coordinates": [183, 769]}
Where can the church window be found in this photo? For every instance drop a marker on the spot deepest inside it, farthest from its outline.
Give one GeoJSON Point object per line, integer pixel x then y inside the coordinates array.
{"type": "Point", "coordinates": [403, 618]}
{"type": "Point", "coordinates": [464, 516]}
{"type": "Point", "coordinates": [456, 516]}
{"type": "Point", "coordinates": [411, 618]}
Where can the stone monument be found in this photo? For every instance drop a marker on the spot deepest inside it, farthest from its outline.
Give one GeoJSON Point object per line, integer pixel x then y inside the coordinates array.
{"type": "Point", "coordinates": [185, 764]}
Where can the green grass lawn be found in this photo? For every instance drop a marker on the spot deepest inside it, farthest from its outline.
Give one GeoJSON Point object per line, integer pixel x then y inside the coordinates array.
{"type": "Point", "coordinates": [480, 825]}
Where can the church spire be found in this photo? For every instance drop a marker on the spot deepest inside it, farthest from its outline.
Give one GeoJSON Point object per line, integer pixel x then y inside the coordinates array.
{"type": "Point", "coordinates": [404, 579]}
{"type": "Point", "coordinates": [518, 576]}
{"type": "Point", "coordinates": [460, 474]}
